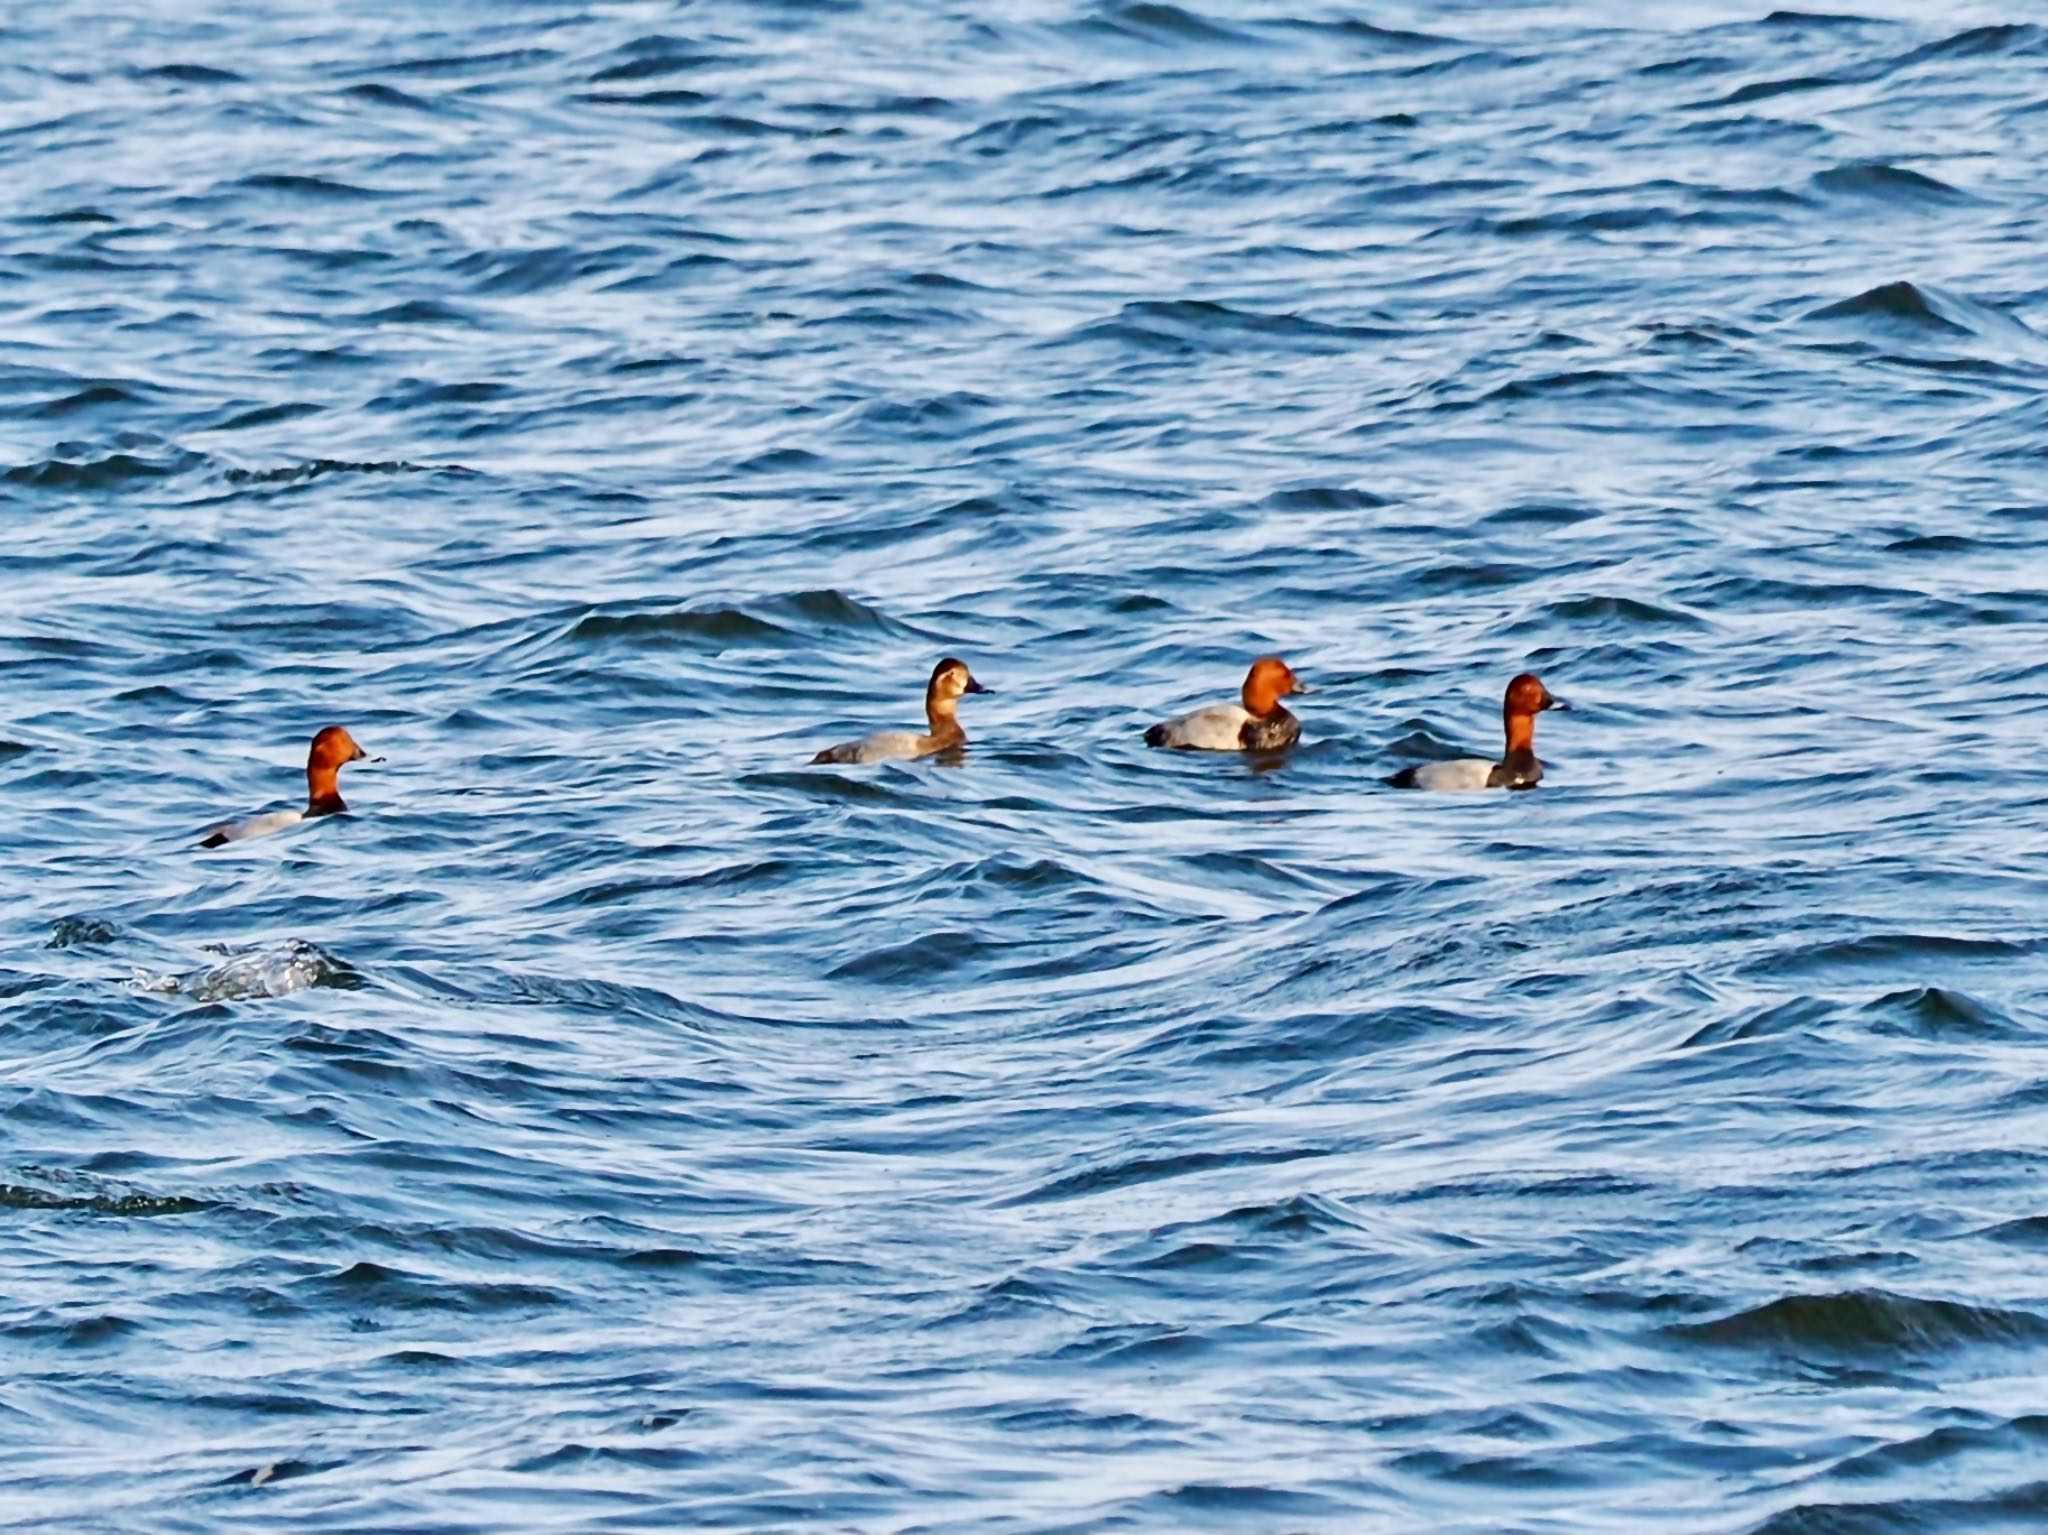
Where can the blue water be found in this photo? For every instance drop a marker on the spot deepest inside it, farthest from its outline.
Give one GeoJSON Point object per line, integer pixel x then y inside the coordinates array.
{"type": "Point", "coordinates": [615, 1123]}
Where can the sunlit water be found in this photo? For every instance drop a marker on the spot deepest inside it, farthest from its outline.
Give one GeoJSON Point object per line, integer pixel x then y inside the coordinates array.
{"type": "Point", "coordinates": [617, 1124]}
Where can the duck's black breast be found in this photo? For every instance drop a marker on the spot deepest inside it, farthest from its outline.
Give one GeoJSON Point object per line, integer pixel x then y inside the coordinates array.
{"type": "Point", "coordinates": [1517, 770]}
{"type": "Point", "coordinates": [1269, 732]}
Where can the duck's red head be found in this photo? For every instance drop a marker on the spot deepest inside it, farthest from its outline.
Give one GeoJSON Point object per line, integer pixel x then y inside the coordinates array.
{"type": "Point", "coordinates": [1269, 681]}
{"type": "Point", "coordinates": [332, 747]}
{"type": "Point", "coordinates": [1528, 695]}
{"type": "Point", "coordinates": [1526, 698]}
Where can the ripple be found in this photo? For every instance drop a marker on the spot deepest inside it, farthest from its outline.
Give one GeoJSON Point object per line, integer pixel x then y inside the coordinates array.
{"type": "Point", "coordinates": [1895, 184]}
{"type": "Point", "coordinates": [1867, 1322]}
{"type": "Point", "coordinates": [291, 474]}
{"type": "Point", "coordinates": [110, 472]}
{"type": "Point", "coordinates": [321, 188]}
{"type": "Point", "coordinates": [769, 621]}
{"type": "Point", "coordinates": [15, 1196]}
{"type": "Point", "coordinates": [1905, 306]}
{"type": "Point", "coordinates": [257, 970]}
{"type": "Point", "coordinates": [1151, 21]}
{"type": "Point", "coordinates": [1186, 326]}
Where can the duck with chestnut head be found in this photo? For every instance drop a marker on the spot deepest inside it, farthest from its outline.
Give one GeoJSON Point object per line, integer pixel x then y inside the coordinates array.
{"type": "Point", "coordinates": [332, 749]}
{"type": "Point", "coordinates": [1258, 722]}
{"type": "Point", "coordinates": [1518, 768]}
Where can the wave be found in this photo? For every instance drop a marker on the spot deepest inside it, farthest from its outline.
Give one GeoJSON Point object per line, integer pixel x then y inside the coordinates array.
{"type": "Point", "coordinates": [1872, 1323]}
{"type": "Point", "coordinates": [1937, 1012]}
{"type": "Point", "coordinates": [604, 407]}
{"type": "Point", "coordinates": [547, 268]}
{"type": "Point", "coordinates": [256, 970]}
{"type": "Point", "coordinates": [2010, 38]}
{"type": "Point", "coordinates": [1766, 90]}
{"type": "Point", "coordinates": [1156, 23]}
{"type": "Point", "coordinates": [93, 397]}
{"type": "Point", "coordinates": [1593, 614]}
{"type": "Point", "coordinates": [790, 619]}
{"type": "Point", "coordinates": [1367, 35]}
{"type": "Point", "coordinates": [665, 98]}
{"type": "Point", "coordinates": [455, 65]}
{"type": "Point", "coordinates": [313, 469]}
{"type": "Point", "coordinates": [1884, 950]}
{"type": "Point", "coordinates": [1921, 316]}
{"type": "Point", "coordinates": [1122, 1171]}
{"type": "Point", "coordinates": [324, 188]}
{"type": "Point", "coordinates": [364, 1283]}
{"type": "Point", "coordinates": [1825, 21]}
{"type": "Point", "coordinates": [81, 1194]}
{"type": "Point", "coordinates": [113, 471]}
{"type": "Point", "coordinates": [390, 96]}
{"type": "Point", "coordinates": [652, 57]}
{"type": "Point", "coordinates": [1899, 185]}
{"type": "Point", "coordinates": [1197, 325]}
{"type": "Point", "coordinates": [1324, 498]}
{"type": "Point", "coordinates": [2019, 1508]}
{"type": "Point", "coordinates": [188, 74]}
{"type": "Point", "coordinates": [84, 932]}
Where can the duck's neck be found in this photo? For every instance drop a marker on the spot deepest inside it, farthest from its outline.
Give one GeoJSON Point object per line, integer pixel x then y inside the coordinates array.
{"type": "Point", "coordinates": [942, 716]}
{"type": "Point", "coordinates": [1521, 732]}
{"type": "Point", "coordinates": [323, 791]}
{"type": "Point", "coordinates": [1261, 705]}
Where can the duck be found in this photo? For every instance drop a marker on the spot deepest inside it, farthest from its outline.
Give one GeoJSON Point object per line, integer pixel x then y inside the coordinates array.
{"type": "Point", "coordinates": [332, 749]}
{"type": "Point", "coordinates": [1260, 723]}
{"type": "Point", "coordinates": [1518, 768]}
{"type": "Point", "coordinates": [951, 680]}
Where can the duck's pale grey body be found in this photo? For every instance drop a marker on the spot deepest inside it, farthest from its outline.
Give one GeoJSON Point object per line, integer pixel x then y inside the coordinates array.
{"type": "Point", "coordinates": [1227, 728]}
{"type": "Point", "coordinates": [255, 826]}
{"type": "Point", "coordinates": [885, 746]}
{"type": "Point", "coordinates": [1471, 773]}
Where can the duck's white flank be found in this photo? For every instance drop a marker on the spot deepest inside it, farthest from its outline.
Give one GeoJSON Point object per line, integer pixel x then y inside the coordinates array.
{"type": "Point", "coordinates": [1218, 728]}
{"type": "Point", "coordinates": [258, 825]}
{"type": "Point", "coordinates": [1459, 773]}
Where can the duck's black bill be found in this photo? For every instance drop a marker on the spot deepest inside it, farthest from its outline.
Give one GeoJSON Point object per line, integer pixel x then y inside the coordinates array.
{"type": "Point", "coordinates": [975, 687]}
{"type": "Point", "coordinates": [1559, 704]}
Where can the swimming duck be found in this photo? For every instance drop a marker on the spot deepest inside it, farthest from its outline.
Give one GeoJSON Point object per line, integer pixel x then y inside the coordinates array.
{"type": "Point", "coordinates": [950, 680]}
{"type": "Point", "coordinates": [1260, 724]}
{"type": "Point", "coordinates": [332, 748]}
{"type": "Point", "coordinates": [1517, 769]}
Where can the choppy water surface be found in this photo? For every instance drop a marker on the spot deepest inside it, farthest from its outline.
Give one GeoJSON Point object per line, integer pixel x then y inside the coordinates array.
{"type": "Point", "coordinates": [616, 1124]}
